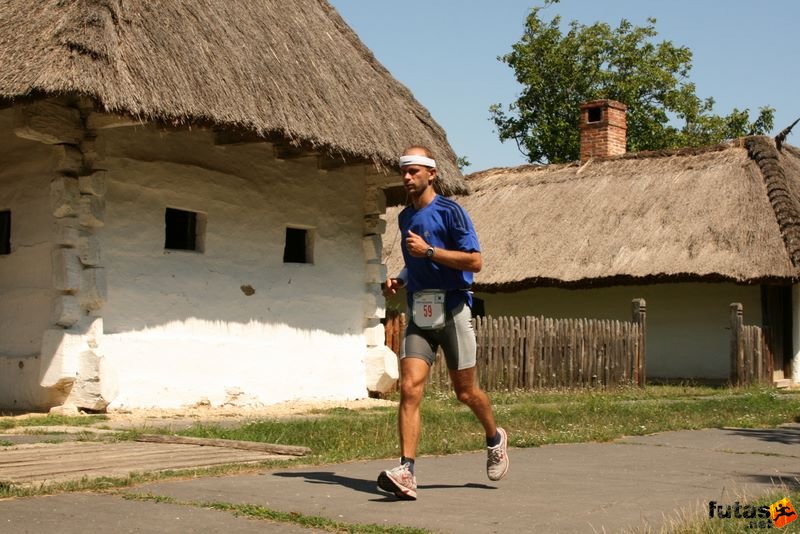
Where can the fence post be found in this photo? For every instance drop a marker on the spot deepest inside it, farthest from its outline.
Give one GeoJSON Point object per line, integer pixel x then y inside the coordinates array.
{"type": "Point", "coordinates": [737, 347]}
{"type": "Point", "coordinates": [640, 317]}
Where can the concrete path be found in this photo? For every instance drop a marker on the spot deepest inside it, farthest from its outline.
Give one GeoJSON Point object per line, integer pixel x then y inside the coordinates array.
{"type": "Point", "coordinates": [594, 487]}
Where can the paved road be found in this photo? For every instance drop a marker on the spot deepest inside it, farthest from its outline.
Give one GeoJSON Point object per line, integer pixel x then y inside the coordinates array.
{"type": "Point", "coordinates": [593, 487]}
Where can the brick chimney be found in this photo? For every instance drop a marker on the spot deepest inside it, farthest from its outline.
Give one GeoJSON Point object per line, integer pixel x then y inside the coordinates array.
{"type": "Point", "coordinates": [603, 129]}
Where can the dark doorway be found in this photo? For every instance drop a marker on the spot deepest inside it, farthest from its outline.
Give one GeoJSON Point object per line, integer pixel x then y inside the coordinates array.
{"type": "Point", "coordinates": [776, 313]}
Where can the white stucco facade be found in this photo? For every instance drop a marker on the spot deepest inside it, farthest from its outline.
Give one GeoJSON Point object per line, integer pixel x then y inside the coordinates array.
{"type": "Point", "coordinates": [26, 169]}
{"type": "Point", "coordinates": [232, 324]}
{"type": "Point", "coordinates": [26, 286]}
{"type": "Point", "coordinates": [177, 325]}
{"type": "Point", "coordinates": [688, 324]}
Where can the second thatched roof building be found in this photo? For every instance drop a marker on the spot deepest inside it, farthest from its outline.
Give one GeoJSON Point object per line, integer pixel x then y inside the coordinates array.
{"type": "Point", "coordinates": [689, 230]}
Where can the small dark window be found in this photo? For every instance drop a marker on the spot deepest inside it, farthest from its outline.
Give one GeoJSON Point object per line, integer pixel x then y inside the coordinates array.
{"type": "Point", "coordinates": [184, 230]}
{"type": "Point", "coordinates": [594, 114]}
{"type": "Point", "coordinates": [298, 246]}
{"type": "Point", "coordinates": [5, 232]}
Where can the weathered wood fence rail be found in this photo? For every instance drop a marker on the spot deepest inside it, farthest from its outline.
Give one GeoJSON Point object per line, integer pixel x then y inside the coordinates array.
{"type": "Point", "coordinates": [394, 327]}
{"type": "Point", "coordinates": [539, 352]}
{"type": "Point", "coordinates": [751, 358]}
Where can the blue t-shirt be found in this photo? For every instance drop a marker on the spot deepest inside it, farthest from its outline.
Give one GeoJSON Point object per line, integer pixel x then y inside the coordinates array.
{"type": "Point", "coordinates": [442, 224]}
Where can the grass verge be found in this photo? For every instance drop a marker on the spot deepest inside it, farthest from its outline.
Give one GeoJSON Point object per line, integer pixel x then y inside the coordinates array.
{"type": "Point", "coordinates": [259, 512]}
{"type": "Point", "coordinates": [700, 521]}
{"type": "Point", "coordinates": [50, 420]}
{"type": "Point", "coordinates": [532, 419]}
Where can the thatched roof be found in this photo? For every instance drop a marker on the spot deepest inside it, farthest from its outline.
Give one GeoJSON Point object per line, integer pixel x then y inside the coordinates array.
{"type": "Point", "coordinates": [291, 68]}
{"type": "Point", "coordinates": [730, 212]}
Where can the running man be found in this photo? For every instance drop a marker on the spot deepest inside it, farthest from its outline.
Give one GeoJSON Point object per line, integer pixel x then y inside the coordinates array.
{"type": "Point", "coordinates": [441, 253]}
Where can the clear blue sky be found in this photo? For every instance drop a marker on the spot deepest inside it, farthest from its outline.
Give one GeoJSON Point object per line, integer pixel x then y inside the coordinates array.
{"type": "Point", "coordinates": [445, 52]}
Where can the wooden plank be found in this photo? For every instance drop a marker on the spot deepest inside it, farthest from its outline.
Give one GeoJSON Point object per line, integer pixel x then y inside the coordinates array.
{"type": "Point", "coordinates": [631, 352]}
{"type": "Point", "coordinates": [512, 353]}
{"type": "Point", "coordinates": [504, 351]}
{"type": "Point", "coordinates": [617, 368]}
{"type": "Point", "coordinates": [520, 359]}
{"type": "Point", "coordinates": [530, 351]}
{"type": "Point", "coordinates": [480, 338]}
{"type": "Point", "coordinates": [49, 463]}
{"type": "Point", "coordinates": [569, 353]}
{"type": "Point", "coordinates": [757, 354]}
{"type": "Point", "coordinates": [563, 352]}
{"type": "Point", "coordinates": [581, 378]}
{"type": "Point", "coordinates": [490, 353]}
{"type": "Point", "coordinates": [569, 364]}
{"type": "Point", "coordinates": [548, 352]}
{"type": "Point", "coordinates": [606, 369]}
{"type": "Point", "coordinates": [514, 368]}
{"type": "Point", "coordinates": [589, 357]}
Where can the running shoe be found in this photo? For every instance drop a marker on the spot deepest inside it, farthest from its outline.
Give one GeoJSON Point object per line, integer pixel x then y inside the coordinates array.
{"type": "Point", "coordinates": [497, 457]}
{"type": "Point", "coordinates": [400, 481]}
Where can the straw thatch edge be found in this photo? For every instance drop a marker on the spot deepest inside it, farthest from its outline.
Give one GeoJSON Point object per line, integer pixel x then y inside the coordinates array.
{"type": "Point", "coordinates": [611, 281]}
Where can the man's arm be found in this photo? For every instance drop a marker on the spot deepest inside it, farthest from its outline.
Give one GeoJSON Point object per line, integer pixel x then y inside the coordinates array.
{"type": "Point", "coordinates": [392, 285]}
{"type": "Point", "coordinates": [455, 259]}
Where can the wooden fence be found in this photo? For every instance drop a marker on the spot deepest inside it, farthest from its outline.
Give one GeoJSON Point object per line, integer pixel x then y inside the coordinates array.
{"type": "Point", "coordinates": [394, 327]}
{"type": "Point", "coordinates": [538, 352]}
{"type": "Point", "coordinates": [751, 357]}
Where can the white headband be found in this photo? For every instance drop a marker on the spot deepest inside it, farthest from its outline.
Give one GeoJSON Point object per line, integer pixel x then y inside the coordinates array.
{"type": "Point", "coordinates": [417, 160]}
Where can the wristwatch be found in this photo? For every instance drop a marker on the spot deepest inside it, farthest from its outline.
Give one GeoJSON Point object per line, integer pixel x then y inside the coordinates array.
{"type": "Point", "coordinates": [429, 253]}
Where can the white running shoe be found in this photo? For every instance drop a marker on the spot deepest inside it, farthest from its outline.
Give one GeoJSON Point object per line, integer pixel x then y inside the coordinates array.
{"type": "Point", "coordinates": [497, 457]}
{"type": "Point", "coordinates": [399, 481]}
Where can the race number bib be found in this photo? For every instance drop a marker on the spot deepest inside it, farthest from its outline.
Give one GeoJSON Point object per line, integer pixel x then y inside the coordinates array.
{"type": "Point", "coordinates": [428, 311]}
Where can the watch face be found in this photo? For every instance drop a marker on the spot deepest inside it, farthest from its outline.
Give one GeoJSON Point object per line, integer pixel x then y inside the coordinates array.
{"type": "Point", "coordinates": [429, 253]}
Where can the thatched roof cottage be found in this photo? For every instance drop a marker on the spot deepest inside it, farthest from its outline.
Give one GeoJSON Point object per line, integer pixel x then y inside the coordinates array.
{"type": "Point", "coordinates": [190, 200]}
{"type": "Point", "coordinates": [689, 230]}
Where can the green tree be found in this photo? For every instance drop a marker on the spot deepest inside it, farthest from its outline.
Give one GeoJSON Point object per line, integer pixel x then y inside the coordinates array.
{"type": "Point", "coordinates": [560, 71]}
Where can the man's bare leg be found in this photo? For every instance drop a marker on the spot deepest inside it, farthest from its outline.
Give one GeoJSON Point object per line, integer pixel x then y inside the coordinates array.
{"type": "Point", "coordinates": [401, 480]}
{"type": "Point", "coordinates": [413, 373]}
{"type": "Point", "coordinates": [468, 391]}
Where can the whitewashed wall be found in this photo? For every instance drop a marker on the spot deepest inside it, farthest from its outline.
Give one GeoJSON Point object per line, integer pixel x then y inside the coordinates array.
{"type": "Point", "coordinates": [178, 330]}
{"type": "Point", "coordinates": [688, 324]}
{"type": "Point", "coordinates": [26, 287]}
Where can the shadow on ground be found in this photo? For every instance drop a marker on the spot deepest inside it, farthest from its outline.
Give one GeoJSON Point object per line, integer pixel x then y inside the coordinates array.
{"type": "Point", "coordinates": [366, 485]}
{"type": "Point", "coordinates": [783, 435]}
{"type": "Point", "coordinates": [790, 481]}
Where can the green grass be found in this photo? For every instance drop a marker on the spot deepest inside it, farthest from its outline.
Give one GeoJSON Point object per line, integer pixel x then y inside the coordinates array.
{"type": "Point", "coordinates": [532, 419]}
{"type": "Point", "coordinates": [700, 523]}
{"type": "Point", "coordinates": [51, 420]}
{"type": "Point", "coordinates": [259, 512]}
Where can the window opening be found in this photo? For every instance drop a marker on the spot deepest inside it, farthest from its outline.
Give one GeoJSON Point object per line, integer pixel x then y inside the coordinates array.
{"type": "Point", "coordinates": [5, 232]}
{"type": "Point", "coordinates": [298, 246]}
{"type": "Point", "coordinates": [184, 230]}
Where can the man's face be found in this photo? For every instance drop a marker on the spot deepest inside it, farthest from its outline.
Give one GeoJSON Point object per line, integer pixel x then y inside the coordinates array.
{"type": "Point", "coordinates": [417, 178]}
